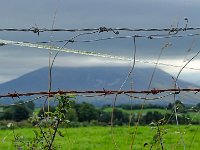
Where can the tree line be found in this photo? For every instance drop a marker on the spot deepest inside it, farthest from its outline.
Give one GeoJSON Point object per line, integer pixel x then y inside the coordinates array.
{"type": "Point", "coordinates": [85, 113]}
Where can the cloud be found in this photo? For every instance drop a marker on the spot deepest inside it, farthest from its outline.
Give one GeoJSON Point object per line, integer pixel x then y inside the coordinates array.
{"type": "Point", "coordinates": [16, 61]}
{"type": "Point", "coordinates": [90, 13]}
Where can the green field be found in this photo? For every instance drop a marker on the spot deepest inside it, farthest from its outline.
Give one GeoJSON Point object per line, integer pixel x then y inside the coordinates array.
{"type": "Point", "coordinates": [100, 138]}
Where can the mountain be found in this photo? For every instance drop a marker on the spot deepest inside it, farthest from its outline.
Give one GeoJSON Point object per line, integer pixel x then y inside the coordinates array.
{"type": "Point", "coordinates": [95, 78]}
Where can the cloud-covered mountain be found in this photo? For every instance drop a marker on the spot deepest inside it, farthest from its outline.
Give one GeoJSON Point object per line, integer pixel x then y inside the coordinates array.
{"type": "Point", "coordinates": [94, 78]}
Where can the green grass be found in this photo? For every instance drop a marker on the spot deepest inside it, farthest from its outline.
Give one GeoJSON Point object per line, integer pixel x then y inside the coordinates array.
{"type": "Point", "coordinates": [100, 138]}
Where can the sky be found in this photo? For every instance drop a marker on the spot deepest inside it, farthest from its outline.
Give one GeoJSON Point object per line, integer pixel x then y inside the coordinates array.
{"type": "Point", "coordinates": [71, 14]}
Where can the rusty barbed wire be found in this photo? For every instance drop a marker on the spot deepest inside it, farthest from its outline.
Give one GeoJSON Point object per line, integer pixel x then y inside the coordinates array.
{"type": "Point", "coordinates": [103, 92]}
{"type": "Point", "coordinates": [82, 95]}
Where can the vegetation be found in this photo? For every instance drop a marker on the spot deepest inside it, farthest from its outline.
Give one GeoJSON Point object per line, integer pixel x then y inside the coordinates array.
{"type": "Point", "coordinates": [18, 112]}
{"type": "Point", "coordinates": [85, 114]}
{"type": "Point", "coordinates": [99, 138]}
{"type": "Point", "coordinates": [50, 126]}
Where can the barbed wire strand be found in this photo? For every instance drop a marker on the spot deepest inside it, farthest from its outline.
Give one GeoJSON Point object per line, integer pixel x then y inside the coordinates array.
{"type": "Point", "coordinates": [39, 30]}
{"type": "Point", "coordinates": [84, 95]}
{"type": "Point", "coordinates": [158, 36]}
{"type": "Point", "coordinates": [153, 36]}
{"type": "Point", "coordinates": [149, 99]}
{"type": "Point", "coordinates": [103, 92]}
{"type": "Point", "coordinates": [22, 103]}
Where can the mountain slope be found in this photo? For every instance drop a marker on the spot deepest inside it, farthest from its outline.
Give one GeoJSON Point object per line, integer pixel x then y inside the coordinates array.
{"type": "Point", "coordinates": [91, 78]}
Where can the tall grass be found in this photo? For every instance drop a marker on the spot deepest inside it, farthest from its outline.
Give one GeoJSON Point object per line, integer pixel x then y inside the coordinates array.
{"type": "Point", "coordinates": [100, 138]}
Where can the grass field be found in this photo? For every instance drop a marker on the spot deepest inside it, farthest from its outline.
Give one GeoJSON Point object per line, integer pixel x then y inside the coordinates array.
{"type": "Point", "coordinates": [100, 138]}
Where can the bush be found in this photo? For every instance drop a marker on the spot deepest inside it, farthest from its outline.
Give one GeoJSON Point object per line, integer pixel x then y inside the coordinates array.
{"type": "Point", "coordinates": [119, 118]}
{"type": "Point", "coordinates": [151, 117]}
{"type": "Point", "coordinates": [20, 113]}
{"type": "Point", "coordinates": [71, 115]}
{"type": "Point", "coordinates": [86, 112]}
{"type": "Point", "coordinates": [104, 117]}
{"type": "Point", "coordinates": [16, 113]}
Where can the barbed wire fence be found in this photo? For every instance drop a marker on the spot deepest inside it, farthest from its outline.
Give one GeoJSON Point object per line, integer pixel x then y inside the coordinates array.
{"type": "Point", "coordinates": [161, 33]}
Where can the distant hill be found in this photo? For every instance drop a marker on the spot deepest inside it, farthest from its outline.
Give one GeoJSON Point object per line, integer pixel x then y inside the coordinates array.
{"type": "Point", "coordinates": [94, 78]}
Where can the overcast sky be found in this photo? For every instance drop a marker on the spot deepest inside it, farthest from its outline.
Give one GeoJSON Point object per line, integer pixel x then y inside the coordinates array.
{"type": "Point", "coordinates": [70, 14]}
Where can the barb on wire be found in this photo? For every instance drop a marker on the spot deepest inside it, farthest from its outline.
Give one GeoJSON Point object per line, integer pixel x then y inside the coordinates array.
{"type": "Point", "coordinates": [187, 21]}
{"type": "Point", "coordinates": [103, 29]}
{"type": "Point", "coordinates": [36, 30]}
